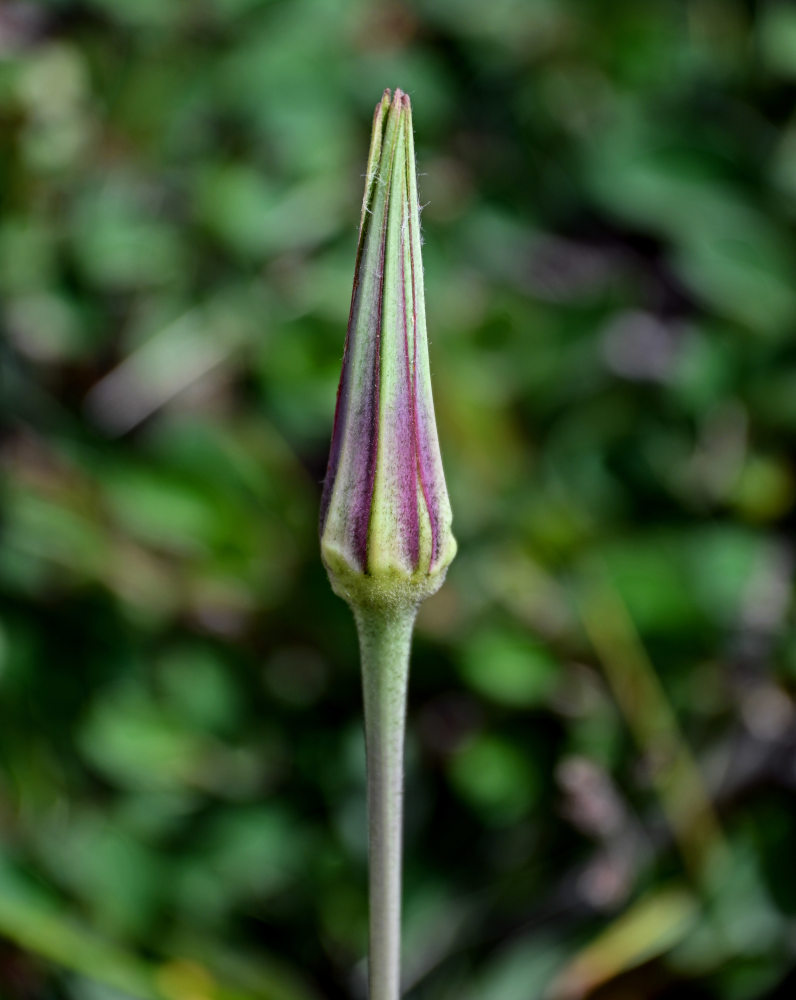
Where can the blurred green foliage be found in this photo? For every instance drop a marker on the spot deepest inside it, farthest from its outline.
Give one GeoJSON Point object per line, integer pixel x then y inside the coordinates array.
{"type": "Point", "coordinates": [610, 254]}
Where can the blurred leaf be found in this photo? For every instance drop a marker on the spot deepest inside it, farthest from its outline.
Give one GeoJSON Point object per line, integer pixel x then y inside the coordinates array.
{"type": "Point", "coordinates": [117, 245]}
{"type": "Point", "coordinates": [527, 965]}
{"type": "Point", "coordinates": [139, 744]}
{"type": "Point", "coordinates": [509, 668]}
{"type": "Point", "coordinates": [778, 38]}
{"type": "Point", "coordinates": [495, 778]}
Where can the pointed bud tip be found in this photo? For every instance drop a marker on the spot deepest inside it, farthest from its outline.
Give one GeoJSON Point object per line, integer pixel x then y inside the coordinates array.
{"type": "Point", "coordinates": [398, 100]}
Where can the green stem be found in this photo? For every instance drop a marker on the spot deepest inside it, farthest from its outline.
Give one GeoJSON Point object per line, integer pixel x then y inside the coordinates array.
{"type": "Point", "coordinates": [385, 638]}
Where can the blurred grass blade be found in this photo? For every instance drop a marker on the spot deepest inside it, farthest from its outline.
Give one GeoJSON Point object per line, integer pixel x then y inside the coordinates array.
{"type": "Point", "coordinates": [36, 925]}
{"type": "Point", "coordinates": [648, 713]}
{"type": "Point", "coordinates": [650, 928]}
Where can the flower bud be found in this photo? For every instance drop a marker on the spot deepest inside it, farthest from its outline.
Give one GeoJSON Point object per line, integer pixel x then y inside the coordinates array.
{"type": "Point", "coordinates": [385, 514]}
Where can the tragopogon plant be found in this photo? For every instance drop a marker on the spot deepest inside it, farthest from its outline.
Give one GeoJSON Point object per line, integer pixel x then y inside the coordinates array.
{"type": "Point", "coordinates": [385, 516]}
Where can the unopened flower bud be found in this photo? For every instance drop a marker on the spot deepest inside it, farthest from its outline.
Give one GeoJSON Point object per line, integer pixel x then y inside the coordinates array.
{"type": "Point", "coordinates": [385, 514]}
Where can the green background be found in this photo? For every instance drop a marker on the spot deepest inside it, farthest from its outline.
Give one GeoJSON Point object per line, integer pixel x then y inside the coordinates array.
{"type": "Point", "coordinates": [610, 241]}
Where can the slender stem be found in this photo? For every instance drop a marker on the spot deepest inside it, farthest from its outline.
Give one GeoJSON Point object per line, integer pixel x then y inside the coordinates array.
{"type": "Point", "coordinates": [384, 642]}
